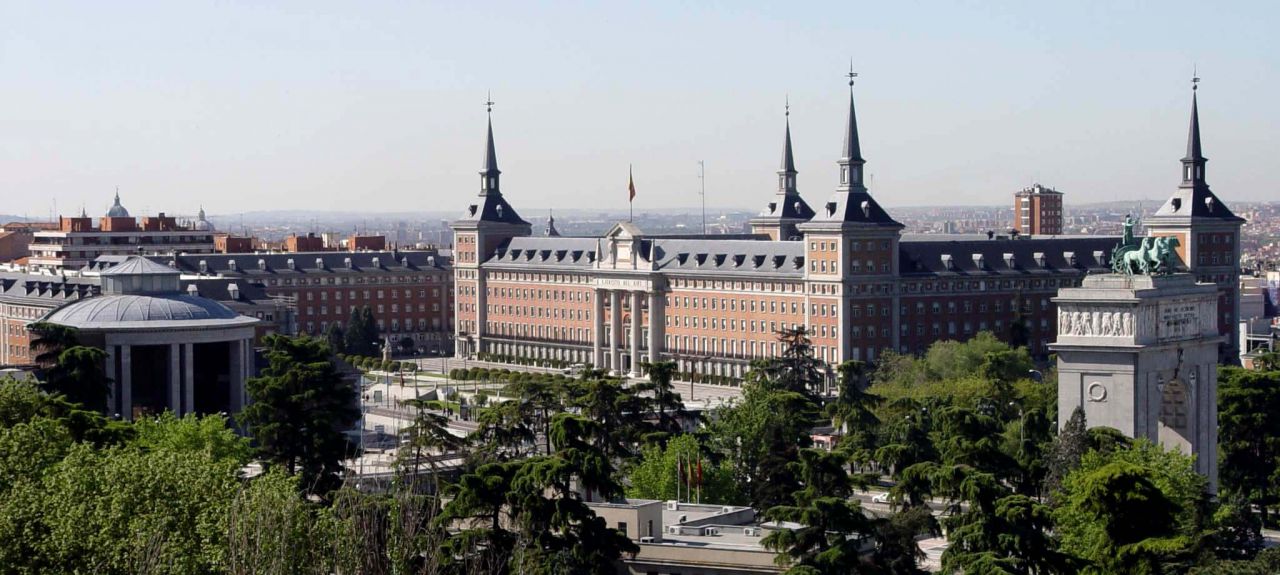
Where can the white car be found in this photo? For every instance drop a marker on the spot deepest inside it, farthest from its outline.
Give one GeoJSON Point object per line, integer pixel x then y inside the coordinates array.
{"type": "Point", "coordinates": [882, 497]}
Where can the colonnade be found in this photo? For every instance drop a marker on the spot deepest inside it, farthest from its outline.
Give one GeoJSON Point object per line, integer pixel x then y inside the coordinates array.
{"type": "Point", "coordinates": [615, 331]}
{"type": "Point", "coordinates": [179, 378]}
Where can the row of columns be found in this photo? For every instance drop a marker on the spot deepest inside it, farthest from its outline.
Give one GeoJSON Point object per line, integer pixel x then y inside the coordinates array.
{"type": "Point", "coordinates": [615, 329]}
{"type": "Point", "coordinates": [180, 391]}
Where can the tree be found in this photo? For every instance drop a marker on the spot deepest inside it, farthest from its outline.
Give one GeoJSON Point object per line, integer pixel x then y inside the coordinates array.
{"type": "Point", "coordinates": [1238, 531]}
{"type": "Point", "coordinates": [668, 404]}
{"type": "Point", "coordinates": [370, 332]}
{"type": "Point", "coordinates": [1136, 527]}
{"type": "Point", "coordinates": [49, 341]}
{"type": "Point", "coordinates": [81, 376]}
{"type": "Point", "coordinates": [827, 540]}
{"type": "Point", "coordinates": [406, 344]}
{"type": "Point", "coordinates": [1068, 448]}
{"type": "Point", "coordinates": [1133, 508]}
{"type": "Point", "coordinates": [429, 433]}
{"type": "Point", "coordinates": [539, 400]}
{"type": "Point", "coordinates": [618, 409]}
{"type": "Point", "coordinates": [530, 515]}
{"type": "Point", "coordinates": [795, 370]}
{"type": "Point", "coordinates": [760, 436]}
{"type": "Point", "coordinates": [503, 433]}
{"type": "Point", "coordinates": [666, 473]}
{"type": "Point", "coordinates": [361, 337]}
{"type": "Point", "coordinates": [852, 412]}
{"type": "Point", "coordinates": [300, 410]}
{"type": "Point", "coordinates": [336, 339]}
{"type": "Point", "coordinates": [1249, 447]}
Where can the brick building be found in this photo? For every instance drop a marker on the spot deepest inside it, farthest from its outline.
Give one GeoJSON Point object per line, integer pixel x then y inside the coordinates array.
{"type": "Point", "coordinates": [77, 242]}
{"type": "Point", "coordinates": [844, 270]}
{"type": "Point", "coordinates": [229, 244]}
{"type": "Point", "coordinates": [301, 244]}
{"type": "Point", "coordinates": [1037, 210]}
{"type": "Point", "coordinates": [409, 292]}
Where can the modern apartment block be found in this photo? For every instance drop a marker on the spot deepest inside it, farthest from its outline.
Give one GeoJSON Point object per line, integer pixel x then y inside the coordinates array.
{"type": "Point", "coordinates": [1038, 211]}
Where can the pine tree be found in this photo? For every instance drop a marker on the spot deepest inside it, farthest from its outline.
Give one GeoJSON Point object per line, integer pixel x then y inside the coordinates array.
{"type": "Point", "coordinates": [336, 339]}
{"type": "Point", "coordinates": [1072, 443]}
{"type": "Point", "coordinates": [300, 411]}
{"type": "Point", "coordinates": [370, 333]}
{"type": "Point", "coordinates": [353, 338]}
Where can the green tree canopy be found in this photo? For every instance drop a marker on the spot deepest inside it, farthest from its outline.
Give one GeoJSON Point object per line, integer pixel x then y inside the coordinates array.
{"type": "Point", "coordinates": [300, 411]}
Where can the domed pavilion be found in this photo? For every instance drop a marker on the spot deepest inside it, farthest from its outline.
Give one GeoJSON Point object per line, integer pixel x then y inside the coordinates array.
{"type": "Point", "coordinates": [165, 349]}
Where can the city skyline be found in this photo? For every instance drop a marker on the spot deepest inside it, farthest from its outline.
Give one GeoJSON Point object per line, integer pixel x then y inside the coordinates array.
{"type": "Point", "coordinates": [388, 104]}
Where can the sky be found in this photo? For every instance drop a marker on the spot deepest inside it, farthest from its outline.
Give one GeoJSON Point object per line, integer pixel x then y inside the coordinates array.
{"type": "Point", "coordinates": [377, 106]}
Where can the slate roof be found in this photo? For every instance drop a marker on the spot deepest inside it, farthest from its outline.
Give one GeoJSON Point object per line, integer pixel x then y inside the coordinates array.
{"type": "Point", "coordinates": [124, 312]}
{"type": "Point", "coordinates": [42, 289]}
{"type": "Point", "coordinates": [555, 251]}
{"type": "Point", "coordinates": [275, 264]}
{"type": "Point", "coordinates": [714, 256]}
{"type": "Point", "coordinates": [134, 265]}
{"type": "Point", "coordinates": [979, 256]}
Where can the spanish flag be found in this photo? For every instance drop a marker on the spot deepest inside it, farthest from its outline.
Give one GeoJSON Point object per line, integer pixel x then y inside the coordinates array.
{"type": "Point", "coordinates": [631, 184]}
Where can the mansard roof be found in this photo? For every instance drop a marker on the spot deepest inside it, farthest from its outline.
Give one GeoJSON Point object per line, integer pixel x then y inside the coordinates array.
{"type": "Point", "coordinates": [744, 257]}
{"type": "Point", "coordinates": [303, 263]}
{"type": "Point", "coordinates": [965, 255]}
{"type": "Point", "coordinates": [558, 252]}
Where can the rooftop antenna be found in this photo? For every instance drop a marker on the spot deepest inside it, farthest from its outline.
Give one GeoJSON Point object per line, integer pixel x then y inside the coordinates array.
{"type": "Point", "coordinates": [702, 190]}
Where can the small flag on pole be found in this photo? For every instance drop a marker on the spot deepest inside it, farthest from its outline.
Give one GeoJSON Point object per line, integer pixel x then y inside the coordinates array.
{"type": "Point", "coordinates": [631, 185]}
{"type": "Point", "coordinates": [631, 199]}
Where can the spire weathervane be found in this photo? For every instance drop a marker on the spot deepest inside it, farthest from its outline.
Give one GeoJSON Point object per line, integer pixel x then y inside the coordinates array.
{"type": "Point", "coordinates": [1195, 78]}
{"type": "Point", "coordinates": [851, 75]}
{"type": "Point", "coordinates": [488, 102]}
{"type": "Point", "coordinates": [788, 105]}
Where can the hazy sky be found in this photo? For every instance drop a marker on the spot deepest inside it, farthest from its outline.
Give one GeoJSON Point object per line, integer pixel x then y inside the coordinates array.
{"type": "Point", "coordinates": [378, 106]}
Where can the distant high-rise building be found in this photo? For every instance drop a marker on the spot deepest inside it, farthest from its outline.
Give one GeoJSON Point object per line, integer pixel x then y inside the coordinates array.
{"type": "Point", "coordinates": [1038, 211]}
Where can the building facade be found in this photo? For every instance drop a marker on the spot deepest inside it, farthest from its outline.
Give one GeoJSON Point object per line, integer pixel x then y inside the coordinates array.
{"type": "Point", "coordinates": [165, 349]}
{"type": "Point", "coordinates": [1038, 211]}
{"type": "Point", "coordinates": [77, 241]}
{"type": "Point", "coordinates": [843, 269]}
{"type": "Point", "coordinates": [409, 292]}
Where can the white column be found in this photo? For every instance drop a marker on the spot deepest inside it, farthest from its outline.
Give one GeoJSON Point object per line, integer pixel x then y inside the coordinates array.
{"type": "Point", "coordinates": [175, 380]}
{"type": "Point", "coordinates": [615, 330]}
{"type": "Point", "coordinates": [597, 329]}
{"type": "Point", "coordinates": [635, 332]}
{"type": "Point", "coordinates": [657, 323]}
{"type": "Point", "coordinates": [235, 376]}
{"type": "Point", "coordinates": [188, 377]}
{"type": "Point", "coordinates": [126, 382]}
{"type": "Point", "coordinates": [112, 386]}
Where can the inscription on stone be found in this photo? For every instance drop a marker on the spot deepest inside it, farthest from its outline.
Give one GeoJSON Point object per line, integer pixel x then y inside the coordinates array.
{"type": "Point", "coordinates": [1178, 320]}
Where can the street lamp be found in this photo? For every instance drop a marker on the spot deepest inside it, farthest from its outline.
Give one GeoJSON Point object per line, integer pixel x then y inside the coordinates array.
{"type": "Point", "coordinates": [1036, 375]}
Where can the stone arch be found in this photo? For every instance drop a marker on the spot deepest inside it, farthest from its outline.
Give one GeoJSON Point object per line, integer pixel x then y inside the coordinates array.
{"type": "Point", "coordinates": [1175, 416]}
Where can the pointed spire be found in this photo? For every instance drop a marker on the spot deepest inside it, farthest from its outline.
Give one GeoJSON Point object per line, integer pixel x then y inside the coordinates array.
{"type": "Point", "coordinates": [489, 175]}
{"type": "Point", "coordinates": [852, 149]}
{"type": "Point", "coordinates": [788, 161]}
{"type": "Point", "coordinates": [1193, 163]}
{"type": "Point", "coordinates": [552, 232]}
{"type": "Point", "coordinates": [851, 161]}
{"type": "Point", "coordinates": [1193, 135]}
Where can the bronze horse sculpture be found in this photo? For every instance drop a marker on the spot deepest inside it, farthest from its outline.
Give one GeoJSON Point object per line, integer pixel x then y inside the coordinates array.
{"type": "Point", "coordinates": [1154, 256]}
